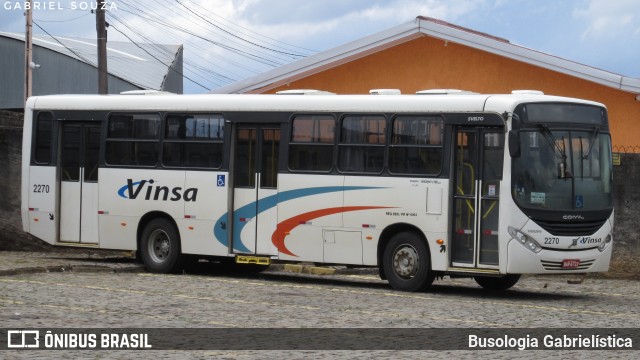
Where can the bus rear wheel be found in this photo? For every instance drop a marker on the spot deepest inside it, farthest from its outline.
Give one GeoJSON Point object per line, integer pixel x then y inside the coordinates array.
{"type": "Point", "coordinates": [497, 283]}
{"type": "Point", "coordinates": [160, 247]}
{"type": "Point", "coordinates": [406, 262]}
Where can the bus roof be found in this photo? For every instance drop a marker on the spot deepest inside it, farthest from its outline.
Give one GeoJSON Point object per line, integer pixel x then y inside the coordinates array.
{"type": "Point", "coordinates": [294, 103]}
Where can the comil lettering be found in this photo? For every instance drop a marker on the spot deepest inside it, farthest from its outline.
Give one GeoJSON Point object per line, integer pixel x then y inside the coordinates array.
{"type": "Point", "coordinates": [156, 192]}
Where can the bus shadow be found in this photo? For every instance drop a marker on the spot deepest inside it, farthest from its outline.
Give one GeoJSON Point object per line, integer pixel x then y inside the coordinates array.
{"type": "Point", "coordinates": [514, 293]}
{"type": "Point", "coordinates": [437, 289]}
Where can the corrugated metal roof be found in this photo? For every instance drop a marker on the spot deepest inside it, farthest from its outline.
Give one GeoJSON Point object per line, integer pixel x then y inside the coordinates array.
{"type": "Point", "coordinates": [146, 68]}
{"type": "Point", "coordinates": [423, 26]}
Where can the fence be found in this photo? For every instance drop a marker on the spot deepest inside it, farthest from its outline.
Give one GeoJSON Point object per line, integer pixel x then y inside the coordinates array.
{"type": "Point", "coordinates": [626, 149]}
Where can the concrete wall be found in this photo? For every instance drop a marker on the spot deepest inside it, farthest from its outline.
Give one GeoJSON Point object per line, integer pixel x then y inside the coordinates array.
{"type": "Point", "coordinates": [626, 250]}
{"type": "Point", "coordinates": [626, 180]}
{"type": "Point", "coordinates": [11, 235]}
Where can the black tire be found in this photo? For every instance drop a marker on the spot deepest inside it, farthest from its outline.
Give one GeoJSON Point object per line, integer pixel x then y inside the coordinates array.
{"type": "Point", "coordinates": [500, 283]}
{"type": "Point", "coordinates": [160, 247]}
{"type": "Point", "coordinates": [406, 262]}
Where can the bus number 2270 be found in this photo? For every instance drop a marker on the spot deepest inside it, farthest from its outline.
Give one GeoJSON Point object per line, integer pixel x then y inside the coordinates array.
{"type": "Point", "coordinates": [39, 188]}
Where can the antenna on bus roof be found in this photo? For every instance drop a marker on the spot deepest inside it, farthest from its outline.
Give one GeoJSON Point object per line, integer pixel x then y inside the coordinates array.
{"type": "Point", "coordinates": [304, 92]}
{"type": "Point", "coordinates": [146, 92]}
{"type": "Point", "coordinates": [445, 92]}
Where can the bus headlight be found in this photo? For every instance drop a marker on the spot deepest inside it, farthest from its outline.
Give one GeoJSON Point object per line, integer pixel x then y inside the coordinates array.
{"type": "Point", "coordinates": [525, 240]}
{"type": "Point", "coordinates": [605, 243]}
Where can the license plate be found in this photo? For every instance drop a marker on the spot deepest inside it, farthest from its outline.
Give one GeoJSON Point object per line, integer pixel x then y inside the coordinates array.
{"type": "Point", "coordinates": [570, 263]}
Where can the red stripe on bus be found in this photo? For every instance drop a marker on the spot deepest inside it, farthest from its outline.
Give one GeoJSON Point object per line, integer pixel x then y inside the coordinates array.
{"type": "Point", "coordinates": [285, 227]}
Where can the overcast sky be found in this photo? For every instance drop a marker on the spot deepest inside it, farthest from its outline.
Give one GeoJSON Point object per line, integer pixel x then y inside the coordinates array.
{"type": "Point", "coordinates": [600, 33]}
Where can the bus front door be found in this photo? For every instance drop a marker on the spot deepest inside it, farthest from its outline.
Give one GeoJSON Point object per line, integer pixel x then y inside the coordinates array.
{"type": "Point", "coordinates": [255, 188]}
{"type": "Point", "coordinates": [78, 173]}
{"type": "Point", "coordinates": [478, 163]}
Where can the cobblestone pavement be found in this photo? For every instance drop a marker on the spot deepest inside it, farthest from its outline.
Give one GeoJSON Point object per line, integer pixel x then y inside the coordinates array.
{"type": "Point", "coordinates": [97, 291]}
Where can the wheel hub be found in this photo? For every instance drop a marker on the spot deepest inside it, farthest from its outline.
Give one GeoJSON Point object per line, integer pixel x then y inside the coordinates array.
{"type": "Point", "coordinates": [406, 261]}
{"type": "Point", "coordinates": [159, 246]}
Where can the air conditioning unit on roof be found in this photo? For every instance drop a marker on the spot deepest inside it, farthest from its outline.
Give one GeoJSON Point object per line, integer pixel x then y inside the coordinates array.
{"type": "Point", "coordinates": [527, 92]}
{"type": "Point", "coordinates": [384, 92]}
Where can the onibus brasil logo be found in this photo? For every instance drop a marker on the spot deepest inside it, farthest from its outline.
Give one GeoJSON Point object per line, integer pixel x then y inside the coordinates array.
{"type": "Point", "coordinates": [133, 190]}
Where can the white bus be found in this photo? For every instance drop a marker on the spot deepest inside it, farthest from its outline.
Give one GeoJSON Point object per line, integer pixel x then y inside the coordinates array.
{"type": "Point", "coordinates": [420, 186]}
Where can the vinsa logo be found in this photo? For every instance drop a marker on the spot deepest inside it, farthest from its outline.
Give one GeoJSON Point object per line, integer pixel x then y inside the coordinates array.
{"type": "Point", "coordinates": [155, 192]}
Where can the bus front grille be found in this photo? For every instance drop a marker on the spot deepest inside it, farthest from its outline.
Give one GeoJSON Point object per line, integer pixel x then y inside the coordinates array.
{"type": "Point", "coordinates": [564, 228]}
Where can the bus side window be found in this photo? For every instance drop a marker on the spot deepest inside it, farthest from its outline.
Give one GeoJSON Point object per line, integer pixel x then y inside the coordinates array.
{"type": "Point", "coordinates": [416, 145]}
{"type": "Point", "coordinates": [193, 141]}
{"type": "Point", "coordinates": [362, 143]}
{"type": "Point", "coordinates": [42, 150]}
{"type": "Point", "coordinates": [132, 139]}
{"type": "Point", "coordinates": [311, 145]}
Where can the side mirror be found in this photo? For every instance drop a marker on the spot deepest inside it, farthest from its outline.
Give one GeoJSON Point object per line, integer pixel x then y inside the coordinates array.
{"type": "Point", "coordinates": [514, 144]}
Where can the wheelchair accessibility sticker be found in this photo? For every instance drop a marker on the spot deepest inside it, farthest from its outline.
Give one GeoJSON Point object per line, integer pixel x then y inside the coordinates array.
{"type": "Point", "coordinates": [221, 181]}
{"type": "Point", "coordinates": [579, 201]}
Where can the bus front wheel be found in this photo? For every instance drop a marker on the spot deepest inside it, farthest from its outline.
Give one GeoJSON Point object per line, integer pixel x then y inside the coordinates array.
{"type": "Point", "coordinates": [160, 247]}
{"type": "Point", "coordinates": [406, 262]}
{"type": "Point", "coordinates": [497, 283]}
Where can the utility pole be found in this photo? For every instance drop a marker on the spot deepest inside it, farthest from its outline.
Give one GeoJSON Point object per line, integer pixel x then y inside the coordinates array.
{"type": "Point", "coordinates": [28, 48]}
{"type": "Point", "coordinates": [101, 29]}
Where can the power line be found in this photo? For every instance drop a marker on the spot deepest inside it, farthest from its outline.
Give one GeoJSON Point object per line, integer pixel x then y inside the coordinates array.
{"type": "Point", "coordinates": [213, 14]}
{"type": "Point", "coordinates": [247, 54]}
{"type": "Point", "coordinates": [65, 46]}
{"type": "Point", "coordinates": [279, 58]}
{"type": "Point", "coordinates": [160, 61]}
{"type": "Point", "coordinates": [76, 53]}
{"type": "Point", "coordinates": [236, 36]}
{"type": "Point", "coordinates": [162, 49]}
{"type": "Point", "coordinates": [172, 29]}
{"type": "Point", "coordinates": [180, 19]}
{"type": "Point", "coordinates": [250, 51]}
{"type": "Point", "coordinates": [217, 79]}
{"type": "Point", "coordinates": [75, 18]}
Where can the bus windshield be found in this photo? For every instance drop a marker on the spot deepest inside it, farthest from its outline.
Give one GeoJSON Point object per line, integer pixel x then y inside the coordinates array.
{"type": "Point", "coordinates": [564, 170]}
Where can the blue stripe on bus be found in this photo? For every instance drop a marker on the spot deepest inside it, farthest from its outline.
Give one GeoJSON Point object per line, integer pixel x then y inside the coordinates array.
{"type": "Point", "coordinates": [249, 211]}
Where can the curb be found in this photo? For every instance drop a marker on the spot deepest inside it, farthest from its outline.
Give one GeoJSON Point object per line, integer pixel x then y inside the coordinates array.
{"type": "Point", "coordinates": [302, 269]}
{"type": "Point", "coordinates": [70, 268]}
{"type": "Point", "coordinates": [314, 270]}
{"type": "Point", "coordinates": [318, 270]}
{"type": "Point", "coordinates": [287, 268]}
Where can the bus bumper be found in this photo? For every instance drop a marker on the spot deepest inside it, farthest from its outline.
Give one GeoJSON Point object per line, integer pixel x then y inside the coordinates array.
{"type": "Point", "coordinates": [522, 261]}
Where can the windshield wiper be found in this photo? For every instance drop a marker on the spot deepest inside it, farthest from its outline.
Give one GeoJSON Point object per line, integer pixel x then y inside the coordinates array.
{"type": "Point", "coordinates": [552, 141]}
{"type": "Point", "coordinates": [562, 167]}
{"type": "Point", "coordinates": [596, 130]}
